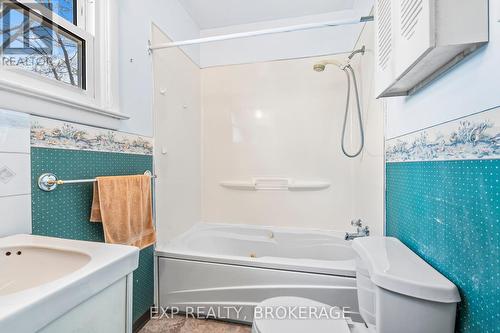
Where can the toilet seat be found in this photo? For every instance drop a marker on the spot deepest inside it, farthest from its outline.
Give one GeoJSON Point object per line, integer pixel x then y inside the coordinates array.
{"type": "Point", "coordinates": [275, 323]}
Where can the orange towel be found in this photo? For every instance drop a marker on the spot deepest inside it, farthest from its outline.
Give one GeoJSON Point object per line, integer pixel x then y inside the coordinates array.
{"type": "Point", "coordinates": [123, 205]}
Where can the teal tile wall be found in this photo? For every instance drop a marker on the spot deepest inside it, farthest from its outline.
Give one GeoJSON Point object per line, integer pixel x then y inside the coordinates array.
{"type": "Point", "coordinates": [65, 212]}
{"type": "Point", "coordinates": [448, 212]}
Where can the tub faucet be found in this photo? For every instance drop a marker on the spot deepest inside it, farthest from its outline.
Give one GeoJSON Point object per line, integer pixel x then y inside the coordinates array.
{"type": "Point", "coordinates": [361, 231]}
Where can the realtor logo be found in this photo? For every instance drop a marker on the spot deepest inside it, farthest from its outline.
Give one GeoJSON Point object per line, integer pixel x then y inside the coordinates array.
{"type": "Point", "coordinates": [25, 33]}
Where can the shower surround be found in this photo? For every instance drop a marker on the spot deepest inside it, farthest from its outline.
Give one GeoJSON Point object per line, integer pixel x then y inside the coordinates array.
{"type": "Point", "coordinates": [281, 119]}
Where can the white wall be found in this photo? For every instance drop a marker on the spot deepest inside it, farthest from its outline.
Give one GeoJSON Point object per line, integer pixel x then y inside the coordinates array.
{"type": "Point", "coordinates": [270, 118]}
{"type": "Point", "coordinates": [177, 140]}
{"type": "Point", "coordinates": [285, 45]}
{"type": "Point", "coordinates": [136, 75]}
{"type": "Point", "coordinates": [130, 30]}
{"type": "Point", "coordinates": [368, 196]}
{"type": "Point", "coordinates": [279, 119]}
{"type": "Point", "coordinates": [279, 46]}
{"type": "Point", "coordinates": [470, 87]}
{"type": "Point", "coordinates": [15, 173]}
{"type": "Point", "coordinates": [135, 64]}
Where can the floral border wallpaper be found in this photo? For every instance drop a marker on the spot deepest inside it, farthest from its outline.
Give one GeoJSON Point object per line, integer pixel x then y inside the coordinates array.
{"type": "Point", "coordinates": [49, 133]}
{"type": "Point", "coordinates": [473, 137]}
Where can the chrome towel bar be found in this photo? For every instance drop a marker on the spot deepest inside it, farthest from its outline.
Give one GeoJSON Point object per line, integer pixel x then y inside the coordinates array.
{"type": "Point", "coordinates": [48, 182]}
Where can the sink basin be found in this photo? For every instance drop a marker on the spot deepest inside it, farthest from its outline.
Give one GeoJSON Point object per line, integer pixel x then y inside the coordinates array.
{"type": "Point", "coordinates": [27, 267]}
{"type": "Point", "coordinates": [47, 277]}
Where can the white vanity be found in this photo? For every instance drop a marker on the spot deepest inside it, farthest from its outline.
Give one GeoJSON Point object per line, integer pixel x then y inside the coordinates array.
{"type": "Point", "coordinates": [53, 285]}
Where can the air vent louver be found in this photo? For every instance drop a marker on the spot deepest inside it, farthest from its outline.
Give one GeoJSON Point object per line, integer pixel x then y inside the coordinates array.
{"type": "Point", "coordinates": [418, 40]}
{"type": "Point", "coordinates": [384, 33]}
{"type": "Point", "coordinates": [410, 13]}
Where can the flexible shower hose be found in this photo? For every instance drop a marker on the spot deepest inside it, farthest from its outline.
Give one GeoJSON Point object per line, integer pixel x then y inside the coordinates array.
{"type": "Point", "coordinates": [346, 69]}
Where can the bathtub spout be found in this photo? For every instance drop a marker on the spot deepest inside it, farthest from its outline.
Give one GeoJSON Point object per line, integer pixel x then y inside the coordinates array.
{"type": "Point", "coordinates": [361, 231]}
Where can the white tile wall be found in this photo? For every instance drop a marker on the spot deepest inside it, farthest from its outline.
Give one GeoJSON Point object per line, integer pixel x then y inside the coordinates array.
{"type": "Point", "coordinates": [178, 137]}
{"type": "Point", "coordinates": [15, 173]}
{"type": "Point", "coordinates": [282, 119]}
{"type": "Point", "coordinates": [14, 132]}
{"type": "Point", "coordinates": [369, 167]}
{"type": "Point", "coordinates": [16, 215]}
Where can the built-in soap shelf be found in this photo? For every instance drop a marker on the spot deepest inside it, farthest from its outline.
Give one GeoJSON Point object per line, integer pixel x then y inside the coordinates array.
{"type": "Point", "coordinates": [275, 184]}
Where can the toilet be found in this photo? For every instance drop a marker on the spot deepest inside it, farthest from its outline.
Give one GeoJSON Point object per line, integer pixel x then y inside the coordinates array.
{"type": "Point", "coordinates": [397, 292]}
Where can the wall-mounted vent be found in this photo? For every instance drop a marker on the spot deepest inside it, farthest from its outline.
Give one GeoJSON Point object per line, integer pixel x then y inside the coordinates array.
{"type": "Point", "coordinates": [410, 13]}
{"type": "Point", "coordinates": [417, 40]}
{"type": "Point", "coordinates": [384, 33]}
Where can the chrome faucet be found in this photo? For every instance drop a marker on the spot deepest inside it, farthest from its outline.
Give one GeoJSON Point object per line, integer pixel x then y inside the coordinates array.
{"type": "Point", "coordinates": [361, 231]}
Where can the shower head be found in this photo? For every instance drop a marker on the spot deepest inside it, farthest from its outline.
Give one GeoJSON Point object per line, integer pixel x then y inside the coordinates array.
{"type": "Point", "coordinates": [321, 66]}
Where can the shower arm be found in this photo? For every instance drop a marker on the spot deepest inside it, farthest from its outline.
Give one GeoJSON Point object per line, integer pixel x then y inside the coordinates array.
{"type": "Point", "coordinates": [353, 53]}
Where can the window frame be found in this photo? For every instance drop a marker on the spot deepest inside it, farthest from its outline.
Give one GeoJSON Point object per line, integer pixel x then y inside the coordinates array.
{"type": "Point", "coordinates": [100, 95]}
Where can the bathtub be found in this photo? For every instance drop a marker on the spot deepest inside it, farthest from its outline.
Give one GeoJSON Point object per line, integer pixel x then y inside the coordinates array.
{"type": "Point", "coordinates": [214, 266]}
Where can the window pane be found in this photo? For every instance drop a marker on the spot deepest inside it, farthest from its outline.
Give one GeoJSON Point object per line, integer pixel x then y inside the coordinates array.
{"type": "Point", "coordinates": [63, 8]}
{"type": "Point", "coordinates": [33, 44]}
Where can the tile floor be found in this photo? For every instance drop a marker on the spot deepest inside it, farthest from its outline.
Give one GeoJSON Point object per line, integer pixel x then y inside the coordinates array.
{"type": "Point", "coordinates": [181, 324]}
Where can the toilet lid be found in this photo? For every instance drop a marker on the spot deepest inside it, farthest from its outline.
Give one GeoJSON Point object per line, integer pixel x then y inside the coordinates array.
{"type": "Point", "coordinates": [297, 315]}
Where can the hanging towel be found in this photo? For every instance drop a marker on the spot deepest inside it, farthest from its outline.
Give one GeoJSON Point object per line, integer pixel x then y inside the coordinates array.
{"type": "Point", "coordinates": [123, 205]}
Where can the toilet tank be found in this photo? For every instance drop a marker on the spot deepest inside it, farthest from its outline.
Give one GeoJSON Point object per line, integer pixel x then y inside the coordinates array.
{"type": "Point", "coordinates": [399, 292]}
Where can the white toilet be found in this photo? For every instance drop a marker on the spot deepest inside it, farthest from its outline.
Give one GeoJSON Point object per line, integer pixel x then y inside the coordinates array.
{"type": "Point", "coordinates": [397, 292]}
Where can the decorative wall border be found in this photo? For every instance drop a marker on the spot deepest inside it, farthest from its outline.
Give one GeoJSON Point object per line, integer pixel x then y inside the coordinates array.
{"type": "Point", "coordinates": [469, 138]}
{"type": "Point", "coordinates": [49, 133]}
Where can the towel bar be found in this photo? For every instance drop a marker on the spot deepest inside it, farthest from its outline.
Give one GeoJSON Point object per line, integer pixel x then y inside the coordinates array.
{"type": "Point", "coordinates": [48, 182]}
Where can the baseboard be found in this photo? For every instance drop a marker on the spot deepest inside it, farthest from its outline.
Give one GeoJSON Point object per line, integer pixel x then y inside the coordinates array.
{"type": "Point", "coordinates": [141, 322]}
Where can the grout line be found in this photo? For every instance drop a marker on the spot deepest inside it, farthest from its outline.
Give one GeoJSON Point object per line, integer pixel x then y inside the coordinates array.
{"type": "Point", "coordinates": [14, 195]}
{"type": "Point", "coordinates": [15, 152]}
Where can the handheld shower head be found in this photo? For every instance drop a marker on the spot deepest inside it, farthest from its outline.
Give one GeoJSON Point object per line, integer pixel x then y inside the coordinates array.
{"type": "Point", "coordinates": [321, 66]}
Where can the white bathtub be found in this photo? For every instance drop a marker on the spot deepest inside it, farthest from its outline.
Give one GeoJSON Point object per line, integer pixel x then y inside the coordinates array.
{"type": "Point", "coordinates": [215, 265]}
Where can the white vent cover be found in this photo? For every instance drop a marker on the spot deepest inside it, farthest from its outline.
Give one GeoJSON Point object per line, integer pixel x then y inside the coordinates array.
{"type": "Point", "coordinates": [416, 40]}
{"type": "Point", "coordinates": [410, 13]}
{"type": "Point", "coordinates": [384, 33]}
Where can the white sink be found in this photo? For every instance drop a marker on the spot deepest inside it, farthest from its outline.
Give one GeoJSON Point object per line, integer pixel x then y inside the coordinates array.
{"type": "Point", "coordinates": [46, 277]}
{"type": "Point", "coordinates": [26, 267]}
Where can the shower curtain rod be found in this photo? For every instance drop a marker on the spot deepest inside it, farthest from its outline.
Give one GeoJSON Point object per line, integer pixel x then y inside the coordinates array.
{"type": "Point", "coordinates": [299, 27]}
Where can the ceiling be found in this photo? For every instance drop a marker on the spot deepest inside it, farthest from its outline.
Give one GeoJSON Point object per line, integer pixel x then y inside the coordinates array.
{"type": "Point", "coordinates": [209, 14]}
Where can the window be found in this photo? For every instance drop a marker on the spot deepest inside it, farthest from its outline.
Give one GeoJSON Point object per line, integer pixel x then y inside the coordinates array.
{"type": "Point", "coordinates": [36, 39]}
{"type": "Point", "coordinates": [61, 51]}
{"type": "Point", "coordinates": [33, 43]}
{"type": "Point", "coordinates": [67, 9]}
